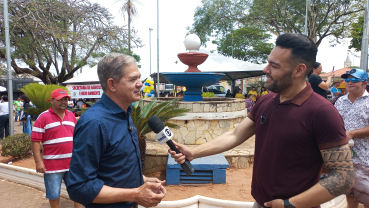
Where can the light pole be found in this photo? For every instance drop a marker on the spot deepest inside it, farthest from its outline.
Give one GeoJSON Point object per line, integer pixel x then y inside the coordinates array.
{"type": "Point", "coordinates": [364, 43]}
{"type": "Point", "coordinates": [306, 18]}
{"type": "Point", "coordinates": [157, 20]}
{"type": "Point", "coordinates": [9, 76]}
{"type": "Point", "coordinates": [150, 46]}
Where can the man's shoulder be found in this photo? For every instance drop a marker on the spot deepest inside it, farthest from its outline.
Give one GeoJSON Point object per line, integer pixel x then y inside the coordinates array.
{"type": "Point", "coordinates": [44, 115]}
{"type": "Point", "coordinates": [96, 112]}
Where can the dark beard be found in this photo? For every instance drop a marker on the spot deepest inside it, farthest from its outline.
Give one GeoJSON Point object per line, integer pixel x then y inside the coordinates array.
{"type": "Point", "coordinates": [280, 85]}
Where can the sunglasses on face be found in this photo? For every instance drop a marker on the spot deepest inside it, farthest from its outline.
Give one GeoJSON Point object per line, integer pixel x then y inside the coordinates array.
{"type": "Point", "coordinates": [353, 80]}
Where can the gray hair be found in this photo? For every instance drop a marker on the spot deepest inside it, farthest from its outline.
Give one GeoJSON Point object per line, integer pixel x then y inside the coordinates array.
{"type": "Point", "coordinates": [112, 65]}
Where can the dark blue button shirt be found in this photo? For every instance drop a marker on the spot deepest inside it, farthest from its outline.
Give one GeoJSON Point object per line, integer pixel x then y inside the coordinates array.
{"type": "Point", "coordinates": [105, 152]}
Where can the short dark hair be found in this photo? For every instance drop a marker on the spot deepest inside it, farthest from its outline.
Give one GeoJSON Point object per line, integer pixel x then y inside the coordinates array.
{"type": "Point", "coordinates": [316, 65]}
{"type": "Point", "coordinates": [304, 50]}
{"type": "Point", "coordinates": [5, 98]}
{"type": "Point", "coordinates": [25, 98]}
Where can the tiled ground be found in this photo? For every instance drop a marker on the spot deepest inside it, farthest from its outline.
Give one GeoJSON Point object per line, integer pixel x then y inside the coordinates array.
{"type": "Point", "coordinates": [14, 195]}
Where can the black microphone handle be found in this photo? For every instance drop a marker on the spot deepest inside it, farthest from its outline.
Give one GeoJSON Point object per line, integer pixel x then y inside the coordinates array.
{"type": "Point", "coordinates": [186, 166]}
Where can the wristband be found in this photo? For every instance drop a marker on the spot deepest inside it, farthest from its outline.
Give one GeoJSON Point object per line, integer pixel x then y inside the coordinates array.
{"type": "Point", "coordinates": [287, 204]}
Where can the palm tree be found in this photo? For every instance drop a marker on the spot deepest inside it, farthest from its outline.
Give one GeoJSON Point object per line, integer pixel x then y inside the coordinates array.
{"type": "Point", "coordinates": [38, 94]}
{"type": "Point", "coordinates": [141, 114]}
{"type": "Point", "coordinates": [130, 8]}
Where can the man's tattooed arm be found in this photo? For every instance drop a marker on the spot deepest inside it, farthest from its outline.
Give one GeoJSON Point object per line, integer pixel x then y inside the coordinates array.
{"type": "Point", "coordinates": [341, 171]}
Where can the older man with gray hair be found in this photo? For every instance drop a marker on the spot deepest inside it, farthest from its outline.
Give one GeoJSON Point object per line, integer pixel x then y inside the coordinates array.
{"type": "Point", "coordinates": [105, 169]}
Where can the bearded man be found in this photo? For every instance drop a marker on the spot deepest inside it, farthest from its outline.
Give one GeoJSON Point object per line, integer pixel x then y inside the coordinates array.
{"type": "Point", "coordinates": [296, 132]}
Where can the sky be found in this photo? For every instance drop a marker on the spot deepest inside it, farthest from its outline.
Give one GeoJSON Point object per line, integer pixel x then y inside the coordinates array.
{"type": "Point", "coordinates": [174, 17]}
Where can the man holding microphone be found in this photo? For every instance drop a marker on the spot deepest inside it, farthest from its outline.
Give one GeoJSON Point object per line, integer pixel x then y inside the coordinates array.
{"type": "Point", "coordinates": [296, 132]}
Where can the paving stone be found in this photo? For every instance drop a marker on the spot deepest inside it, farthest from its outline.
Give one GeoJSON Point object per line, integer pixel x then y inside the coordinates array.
{"type": "Point", "coordinates": [19, 196]}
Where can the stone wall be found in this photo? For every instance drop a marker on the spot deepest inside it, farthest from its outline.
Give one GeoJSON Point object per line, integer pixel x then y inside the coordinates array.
{"type": "Point", "coordinates": [206, 120]}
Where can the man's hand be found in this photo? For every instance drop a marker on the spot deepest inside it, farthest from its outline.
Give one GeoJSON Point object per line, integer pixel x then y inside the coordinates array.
{"type": "Point", "coordinates": [150, 194]}
{"type": "Point", "coordinates": [185, 153]}
{"type": "Point", "coordinates": [40, 167]}
{"type": "Point", "coordinates": [276, 203]}
{"type": "Point", "coordinates": [349, 135]}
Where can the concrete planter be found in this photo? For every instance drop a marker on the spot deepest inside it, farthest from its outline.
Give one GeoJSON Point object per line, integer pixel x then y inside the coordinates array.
{"type": "Point", "coordinates": [30, 178]}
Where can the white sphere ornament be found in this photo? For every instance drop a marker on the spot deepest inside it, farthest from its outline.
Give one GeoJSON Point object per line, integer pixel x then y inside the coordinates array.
{"type": "Point", "coordinates": [192, 42]}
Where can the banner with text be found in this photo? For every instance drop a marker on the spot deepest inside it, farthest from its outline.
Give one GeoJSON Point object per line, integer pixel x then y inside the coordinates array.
{"type": "Point", "coordinates": [86, 91]}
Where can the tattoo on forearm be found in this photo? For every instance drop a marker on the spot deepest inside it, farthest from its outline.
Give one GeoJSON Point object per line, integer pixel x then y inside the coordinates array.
{"type": "Point", "coordinates": [341, 175]}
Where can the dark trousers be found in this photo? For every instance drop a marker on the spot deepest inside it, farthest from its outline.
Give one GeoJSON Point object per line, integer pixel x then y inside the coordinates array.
{"type": "Point", "coordinates": [4, 123]}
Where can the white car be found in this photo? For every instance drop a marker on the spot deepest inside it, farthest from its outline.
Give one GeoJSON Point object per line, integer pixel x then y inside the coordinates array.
{"type": "Point", "coordinates": [217, 89]}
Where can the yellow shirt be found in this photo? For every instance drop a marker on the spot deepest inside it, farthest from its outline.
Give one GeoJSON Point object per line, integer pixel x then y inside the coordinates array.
{"type": "Point", "coordinates": [254, 93]}
{"type": "Point", "coordinates": [239, 95]}
{"type": "Point", "coordinates": [264, 93]}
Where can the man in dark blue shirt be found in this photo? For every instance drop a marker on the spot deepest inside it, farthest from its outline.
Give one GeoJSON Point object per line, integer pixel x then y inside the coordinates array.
{"type": "Point", "coordinates": [105, 170]}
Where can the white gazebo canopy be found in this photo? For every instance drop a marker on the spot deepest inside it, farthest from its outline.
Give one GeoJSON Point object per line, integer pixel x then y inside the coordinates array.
{"type": "Point", "coordinates": [89, 76]}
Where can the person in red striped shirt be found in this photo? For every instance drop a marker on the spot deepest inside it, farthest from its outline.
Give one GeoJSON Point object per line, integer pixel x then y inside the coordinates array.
{"type": "Point", "coordinates": [54, 129]}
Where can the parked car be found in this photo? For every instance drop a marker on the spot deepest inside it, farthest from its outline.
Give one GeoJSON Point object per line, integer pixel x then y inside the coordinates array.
{"type": "Point", "coordinates": [217, 89]}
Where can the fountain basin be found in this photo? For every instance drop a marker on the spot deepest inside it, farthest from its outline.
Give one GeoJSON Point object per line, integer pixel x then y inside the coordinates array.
{"type": "Point", "coordinates": [192, 59]}
{"type": "Point", "coordinates": [193, 81]}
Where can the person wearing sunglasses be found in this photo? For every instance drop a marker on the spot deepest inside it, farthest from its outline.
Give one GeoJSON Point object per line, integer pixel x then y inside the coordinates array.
{"type": "Point", "coordinates": [354, 109]}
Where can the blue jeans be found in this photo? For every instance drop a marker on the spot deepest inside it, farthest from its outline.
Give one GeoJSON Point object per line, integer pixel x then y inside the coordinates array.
{"type": "Point", "coordinates": [17, 115]}
{"type": "Point", "coordinates": [27, 126]}
{"type": "Point", "coordinates": [53, 183]}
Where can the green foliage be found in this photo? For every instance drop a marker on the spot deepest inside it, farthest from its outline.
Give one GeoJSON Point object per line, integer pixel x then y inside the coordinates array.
{"type": "Point", "coordinates": [208, 94]}
{"type": "Point", "coordinates": [257, 85]}
{"type": "Point", "coordinates": [357, 34]}
{"type": "Point", "coordinates": [38, 94]}
{"type": "Point", "coordinates": [56, 38]}
{"type": "Point", "coordinates": [141, 114]}
{"type": "Point", "coordinates": [17, 146]}
{"type": "Point", "coordinates": [246, 44]}
{"type": "Point", "coordinates": [165, 111]}
{"type": "Point", "coordinates": [217, 18]}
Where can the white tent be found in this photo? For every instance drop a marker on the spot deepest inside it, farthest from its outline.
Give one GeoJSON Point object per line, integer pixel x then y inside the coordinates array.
{"type": "Point", "coordinates": [214, 63]}
{"type": "Point", "coordinates": [234, 69]}
{"type": "Point", "coordinates": [88, 76]}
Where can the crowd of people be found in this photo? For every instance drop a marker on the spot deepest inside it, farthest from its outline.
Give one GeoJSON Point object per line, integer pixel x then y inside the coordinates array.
{"type": "Point", "coordinates": [251, 97]}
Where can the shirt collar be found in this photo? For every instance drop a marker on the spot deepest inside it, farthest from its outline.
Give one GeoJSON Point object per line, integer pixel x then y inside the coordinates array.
{"type": "Point", "coordinates": [365, 94]}
{"type": "Point", "coordinates": [52, 111]}
{"type": "Point", "coordinates": [301, 97]}
{"type": "Point", "coordinates": [111, 105]}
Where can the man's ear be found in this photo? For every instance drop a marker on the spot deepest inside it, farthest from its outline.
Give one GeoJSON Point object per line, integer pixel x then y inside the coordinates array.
{"type": "Point", "coordinates": [299, 71]}
{"type": "Point", "coordinates": [111, 85]}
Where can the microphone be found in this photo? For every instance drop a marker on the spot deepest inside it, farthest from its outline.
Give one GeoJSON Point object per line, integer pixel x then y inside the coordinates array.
{"type": "Point", "coordinates": [164, 135]}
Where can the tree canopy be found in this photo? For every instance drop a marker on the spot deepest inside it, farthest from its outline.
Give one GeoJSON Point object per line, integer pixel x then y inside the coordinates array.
{"type": "Point", "coordinates": [247, 44]}
{"type": "Point", "coordinates": [326, 18]}
{"type": "Point", "coordinates": [64, 35]}
{"type": "Point", "coordinates": [357, 34]}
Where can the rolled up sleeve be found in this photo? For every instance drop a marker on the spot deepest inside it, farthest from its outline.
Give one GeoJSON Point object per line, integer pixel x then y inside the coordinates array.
{"type": "Point", "coordinates": [88, 145]}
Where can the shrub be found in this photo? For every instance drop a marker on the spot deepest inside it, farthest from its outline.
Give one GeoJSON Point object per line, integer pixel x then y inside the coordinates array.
{"type": "Point", "coordinates": [17, 146]}
{"type": "Point", "coordinates": [208, 94]}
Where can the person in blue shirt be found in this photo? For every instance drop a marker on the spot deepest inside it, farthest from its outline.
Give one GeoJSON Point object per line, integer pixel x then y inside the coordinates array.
{"type": "Point", "coordinates": [335, 90]}
{"type": "Point", "coordinates": [105, 169]}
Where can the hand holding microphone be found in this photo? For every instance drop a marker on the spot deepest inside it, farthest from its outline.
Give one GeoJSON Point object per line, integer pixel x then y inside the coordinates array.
{"type": "Point", "coordinates": [164, 135]}
{"type": "Point", "coordinates": [185, 153]}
